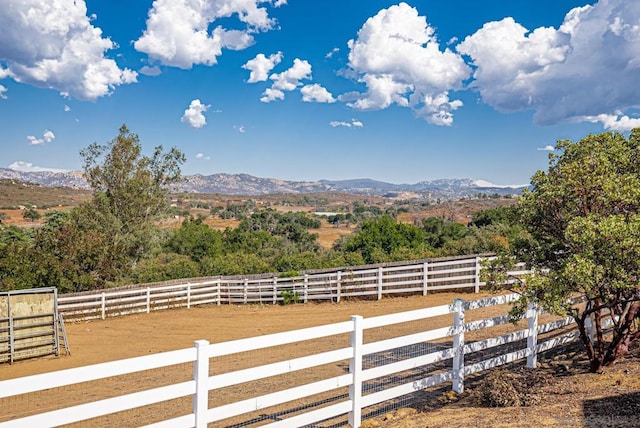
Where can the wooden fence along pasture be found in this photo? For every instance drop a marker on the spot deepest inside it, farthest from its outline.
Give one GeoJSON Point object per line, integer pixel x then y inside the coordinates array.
{"type": "Point", "coordinates": [373, 282]}
{"type": "Point", "coordinates": [346, 379]}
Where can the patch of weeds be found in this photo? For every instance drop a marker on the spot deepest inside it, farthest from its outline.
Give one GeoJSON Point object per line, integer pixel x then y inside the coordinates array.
{"type": "Point", "coordinates": [289, 297]}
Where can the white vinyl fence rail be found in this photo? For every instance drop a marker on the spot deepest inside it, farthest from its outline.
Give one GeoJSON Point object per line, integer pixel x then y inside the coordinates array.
{"type": "Point", "coordinates": [353, 391]}
{"type": "Point", "coordinates": [371, 282]}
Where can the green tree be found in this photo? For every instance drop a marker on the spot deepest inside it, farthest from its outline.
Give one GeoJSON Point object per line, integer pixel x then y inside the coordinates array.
{"type": "Point", "coordinates": [439, 231]}
{"type": "Point", "coordinates": [165, 267]}
{"type": "Point", "coordinates": [100, 241]}
{"type": "Point", "coordinates": [505, 215]}
{"type": "Point", "coordinates": [195, 239]}
{"type": "Point", "coordinates": [135, 186]}
{"type": "Point", "coordinates": [130, 189]}
{"type": "Point", "coordinates": [31, 214]}
{"type": "Point", "coordinates": [583, 215]}
{"type": "Point", "coordinates": [379, 240]}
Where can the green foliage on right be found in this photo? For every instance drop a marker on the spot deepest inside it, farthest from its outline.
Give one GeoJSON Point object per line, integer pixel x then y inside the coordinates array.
{"type": "Point", "coordinates": [583, 220]}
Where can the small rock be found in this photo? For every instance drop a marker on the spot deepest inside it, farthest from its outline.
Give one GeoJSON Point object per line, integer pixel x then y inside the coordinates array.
{"type": "Point", "coordinates": [388, 417]}
{"type": "Point", "coordinates": [405, 412]}
{"type": "Point", "coordinates": [370, 423]}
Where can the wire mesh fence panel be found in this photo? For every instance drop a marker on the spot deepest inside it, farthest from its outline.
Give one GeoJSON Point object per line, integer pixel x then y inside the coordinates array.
{"type": "Point", "coordinates": [286, 370]}
{"type": "Point", "coordinates": [76, 394]}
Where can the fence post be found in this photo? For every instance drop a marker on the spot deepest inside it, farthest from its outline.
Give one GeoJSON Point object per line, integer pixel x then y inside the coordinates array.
{"type": "Point", "coordinates": [532, 338]}
{"type": "Point", "coordinates": [458, 346]}
{"type": "Point", "coordinates": [380, 283]}
{"type": "Point", "coordinates": [200, 401]}
{"type": "Point", "coordinates": [425, 278]}
{"type": "Point", "coordinates": [477, 274]}
{"type": "Point", "coordinates": [275, 290]}
{"type": "Point", "coordinates": [306, 287]}
{"type": "Point", "coordinates": [103, 306]}
{"type": "Point", "coordinates": [590, 327]}
{"type": "Point", "coordinates": [355, 369]}
{"type": "Point", "coordinates": [188, 295]}
{"type": "Point", "coordinates": [219, 293]}
{"type": "Point", "coordinates": [149, 300]}
{"type": "Point", "coordinates": [244, 290]}
{"type": "Point", "coordinates": [338, 286]}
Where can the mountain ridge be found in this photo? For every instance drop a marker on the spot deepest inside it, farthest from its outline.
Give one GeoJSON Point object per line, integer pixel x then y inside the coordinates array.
{"type": "Point", "coordinates": [246, 184]}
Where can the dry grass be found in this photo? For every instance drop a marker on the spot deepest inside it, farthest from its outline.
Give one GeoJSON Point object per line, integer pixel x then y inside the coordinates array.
{"type": "Point", "coordinates": [328, 234]}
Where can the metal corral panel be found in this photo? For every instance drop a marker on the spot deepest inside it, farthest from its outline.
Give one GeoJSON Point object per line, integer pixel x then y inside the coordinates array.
{"type": "Point", "coordinates": [28, 324]}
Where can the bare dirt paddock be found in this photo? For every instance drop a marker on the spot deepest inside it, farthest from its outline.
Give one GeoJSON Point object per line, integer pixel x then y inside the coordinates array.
{"type": "Point", "coordinates": [117, 338]}
{"type": "Point", "coordinates": [562, 401]}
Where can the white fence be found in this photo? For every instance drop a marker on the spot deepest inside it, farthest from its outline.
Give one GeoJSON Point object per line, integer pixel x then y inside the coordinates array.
{"type": "Point", "coordinates": [364, 282]}
{"type": "Point", "coordinates": [347, 392]}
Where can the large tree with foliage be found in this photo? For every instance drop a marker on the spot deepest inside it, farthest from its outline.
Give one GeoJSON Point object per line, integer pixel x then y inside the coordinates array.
{"type": "Point", "coordinates": [135, 186]}
{"type": "Point", "coordinates": [583, 215]}
{"type": "Point", "coordinates": [130, 195]}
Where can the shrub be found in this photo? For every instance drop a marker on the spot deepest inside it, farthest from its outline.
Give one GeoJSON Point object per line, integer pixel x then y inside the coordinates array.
{"type": "Point", "coordinates": [289, 297]}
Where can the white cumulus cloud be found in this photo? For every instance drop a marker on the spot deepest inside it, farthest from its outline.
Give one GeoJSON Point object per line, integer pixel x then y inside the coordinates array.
{"type": "Point", "coordinates": [586, 70]}
{"type": "Point", "coordinates": [194, 114]}
{"type": "Point", "coordinates": [30, 167]}
{"type": "Point", "coordinates": [316, 93]}
{"type": "Point", "coordinates": [203, 156]}
{"type": "Point", "coordinates": [261, 66]}
{"type": "Point", "coordinates": [53, 44]}
{"type": "Point", "coordinates": [397, 56]}
{"type": "Point", "coordinates": [288, 80]}
{"type": "Point", "coordinates": [546, 148]}
{"type": "Point", "coordinates": [47, 137]}
{"type": "Point", "coordinates": [177, 32]}
{"type": "Point", "coordinates": [614, 122]}
{"type": "Point", "coordinates": [355, 123]}
{"type": "Point", "coordinates": [3, 89]}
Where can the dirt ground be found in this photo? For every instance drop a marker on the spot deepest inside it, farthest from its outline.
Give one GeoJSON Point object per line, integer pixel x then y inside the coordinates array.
{"type": "Point", "coordinates": [567, 396]}
{"type": "Point", "coordinates": [117, 338]}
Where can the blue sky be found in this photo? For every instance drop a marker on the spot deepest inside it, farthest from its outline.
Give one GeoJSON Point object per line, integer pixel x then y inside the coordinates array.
{"type": "Point", "coordinates": [309, 90]}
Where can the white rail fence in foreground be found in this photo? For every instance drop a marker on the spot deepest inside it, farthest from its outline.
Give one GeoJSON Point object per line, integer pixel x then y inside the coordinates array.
{"type": "Point", "coordinates": [363, 282]}
{"type": "Point", "coordinates": [356, 381]}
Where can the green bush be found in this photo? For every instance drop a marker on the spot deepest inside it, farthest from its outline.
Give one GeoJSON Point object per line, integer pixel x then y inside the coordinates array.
{"type": "Point", "coordinates": [289, 297]}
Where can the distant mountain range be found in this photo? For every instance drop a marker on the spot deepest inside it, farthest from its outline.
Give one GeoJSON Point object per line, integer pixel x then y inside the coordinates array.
{"type": "Point", "coordinates": [244, 184]}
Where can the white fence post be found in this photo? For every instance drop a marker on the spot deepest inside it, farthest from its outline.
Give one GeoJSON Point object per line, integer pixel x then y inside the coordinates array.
{"type": "Point", "coordinates": [338, 286]}
{"type": "Point", "coordinates": [355, 369]}
{"type": "Point", "coordinates": [425, 278]}
{"type": "Point", "coordinates": [148, 299]}
{"type": "Point", "coordinates": [380, 283]}
{"type": "Point", "coordinates": [103, 306]}
{"type": "Point", "coordinates": [219, 293]}
{"type": "Point", "coordinates": [532, 338]}
{"type": "Point", "coordinates": [188, 295]}
{"type": "Point", "coordinates": [590, 327]}
{"type": "Point", "coordinates": [200, 402]}
{"type": "Point", "coordinates": [306, 287]}
{"type": "Point", "coordinates": [244, 290]}
{"type": "Point", "coordinates": [275, 290]}
{"type": "Point", "coordinates": [458, 346]}
{"type": "Point", "coordinates": [477, 274]}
